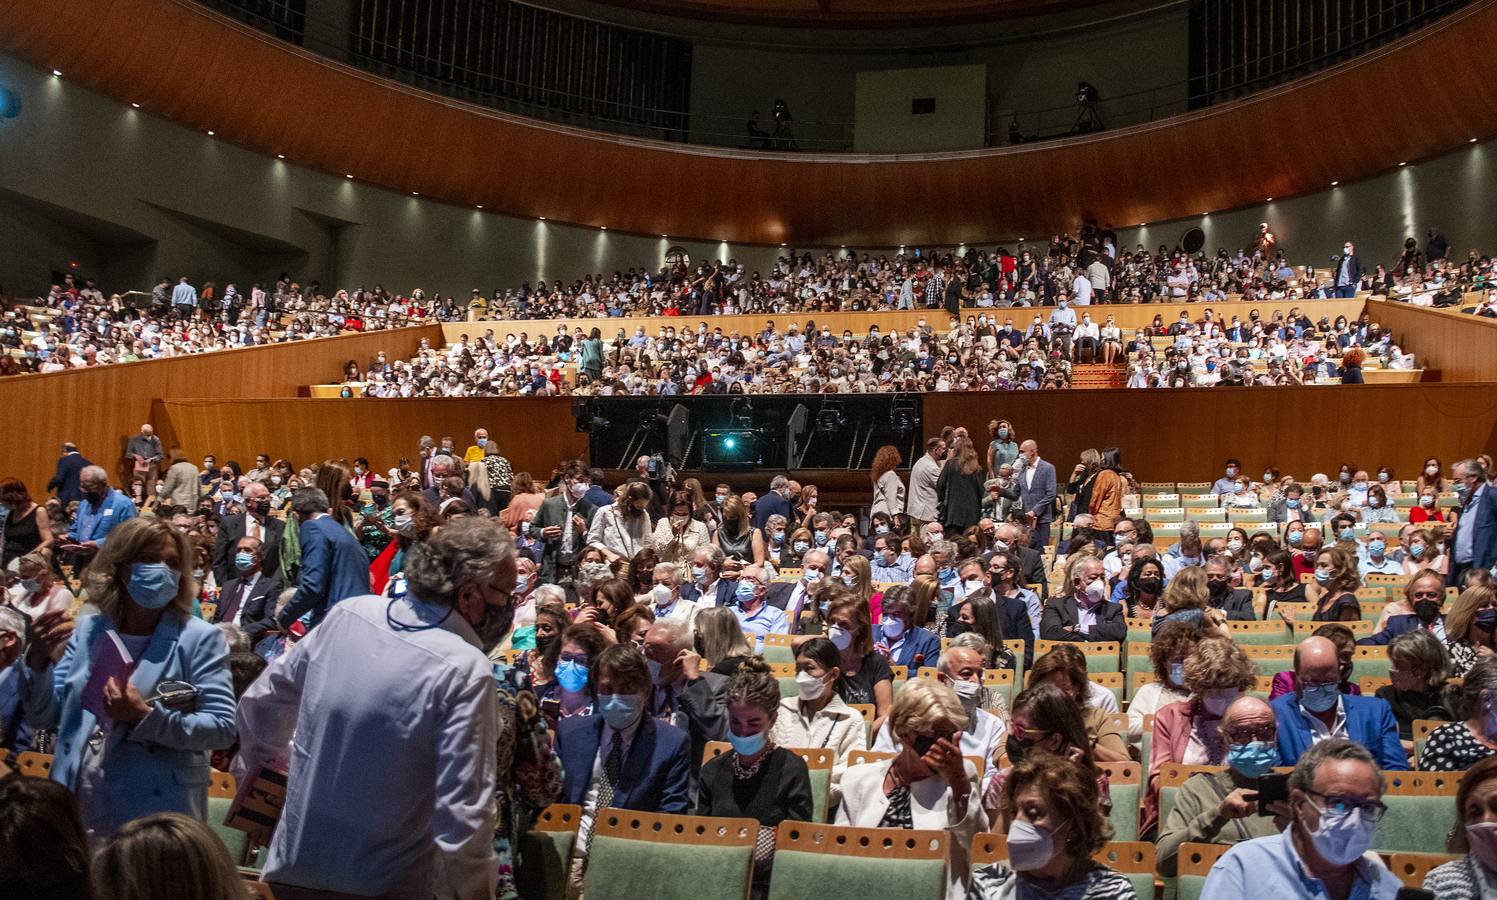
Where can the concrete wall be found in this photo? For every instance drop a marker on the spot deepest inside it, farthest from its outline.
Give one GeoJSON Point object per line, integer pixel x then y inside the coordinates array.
{"type": "Point", "coordinates": [128, 195]}
{"type": "Point", "coordinates": [1029, 73]}
{"type": "Point", "coordinates": [887, 122]}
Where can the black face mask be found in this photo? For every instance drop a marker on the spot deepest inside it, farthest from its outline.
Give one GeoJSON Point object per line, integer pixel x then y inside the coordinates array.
{"type": "Point", "coordinates": [956, 627]}
{"type": "Point", "coordinates": [1017, 750]}
{"type": "Point", "coordinates": [923, 743]}
{"type": "Point", "coordinates": [544, 642]}
{"type": "Point", "coordinates": [1219, 590]}
{"type": "Point", "coordinates": [1427, 610]}
{"type": "Point", "coordinates": [1486, 620]}
{"type": "Point", "coordinates": [1151, 585]}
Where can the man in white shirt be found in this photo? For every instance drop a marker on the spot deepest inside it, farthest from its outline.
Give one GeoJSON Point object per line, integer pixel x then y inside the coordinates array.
{"type": "Point", "coordinates": [400, 731]}
{"type": "Point", "coordinates": [1081, 290]}
{"type": "Point", "coordinates": [665, 597]}
{"type": "Point", "coordinates": [961, 670]}
{"type": "Point", "coordinates": [707, 589]}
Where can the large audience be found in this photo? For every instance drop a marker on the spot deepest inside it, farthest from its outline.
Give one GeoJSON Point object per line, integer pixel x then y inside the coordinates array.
{"type": "Point", "coordinates": [77, 326]}
{"type": "Point", "coordinates": [400, 669]}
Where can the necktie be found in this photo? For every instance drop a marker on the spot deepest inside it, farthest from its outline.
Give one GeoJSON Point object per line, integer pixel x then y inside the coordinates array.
{"type": "Point", "coordinates": [611, 767]}
{"type": "Point", "coordinates": [227, 614]}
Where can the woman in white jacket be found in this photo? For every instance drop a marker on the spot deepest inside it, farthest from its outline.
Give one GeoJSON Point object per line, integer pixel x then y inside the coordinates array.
{"type": "Point", "coordinates": [816, 716]}
{"type": "Point", "coordinates": [928, 786]}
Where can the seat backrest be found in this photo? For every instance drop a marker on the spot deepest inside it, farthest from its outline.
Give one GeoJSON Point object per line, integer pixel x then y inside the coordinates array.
{"type": "Point", "coordinates": [867, 710]}
{"type": "Point", "coordinates": [1196, 861]}
{"type": "Point", "coordinates": [546, 852]}
{"type": "Point", "coordinates": [1124, 780]}
{"type": "Point", "coordinates": [1370, 684]}
{"type": "Point", "coordinates": [838, 862]}
{"type": "Point", "coordinates": [1113, 681]}
{"type": "Point", "coordinates": [1370, 660]}
{"type": "Point", "coordinates": [1101, 656]}
{"type": "Point", "coordinates": [638, 854]}
{"type": "Point", "coordinates": [33, 764]}
{"type": "Point", "coordinates": [1133, 859]}
{"type": "Point", "coordinates": [1413, 868]}
{"type": "Point", "coordinates": [1171, 776]}
{"type": "Point", "coordinates": [1421, 811]}
{"type": "Point", "coordinates": [1422, 729]}
{"type": "Point", "coordinates": [1303, 629]}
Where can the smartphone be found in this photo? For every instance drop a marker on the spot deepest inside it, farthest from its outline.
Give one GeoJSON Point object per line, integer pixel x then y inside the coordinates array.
{"type": "Point", "coordinates": [1272, 788]}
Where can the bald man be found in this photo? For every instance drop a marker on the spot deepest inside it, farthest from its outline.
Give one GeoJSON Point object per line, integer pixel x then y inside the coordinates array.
{"type": "Point", "coordinates": [1317, 710]}
{"type": "Point", "coordinates": [1036, 493]}
{"type": "Point", "coordinates": [1222, 807]}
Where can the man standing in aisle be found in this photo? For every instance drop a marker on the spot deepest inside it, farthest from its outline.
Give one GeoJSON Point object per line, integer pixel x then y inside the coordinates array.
{"type": "Point", "coordinates": [923, 504]}
{"type": "Point", "coordinates": [1036, 493]}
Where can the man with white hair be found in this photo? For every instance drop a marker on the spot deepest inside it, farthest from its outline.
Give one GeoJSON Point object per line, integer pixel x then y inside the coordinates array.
{"type": "Point", "coordinates": [683, 694]}
{"type": "Point", "coordinates": [961, 670]}
{"type": "Point", "coordinates": [665, 597]}
{"type": "Point", "coordinates": [144, 454]}
{"type": "Point", "coordinates": [14, 733]}
{"type": "Point", "coordinates": [102, 509]}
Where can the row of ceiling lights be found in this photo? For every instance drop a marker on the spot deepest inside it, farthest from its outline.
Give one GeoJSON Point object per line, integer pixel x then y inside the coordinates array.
{"type": "Point", "coordinates": [57, 73]}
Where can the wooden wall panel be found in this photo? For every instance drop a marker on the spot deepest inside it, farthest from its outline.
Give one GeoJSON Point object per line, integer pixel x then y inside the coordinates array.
{"type": "Point", "coordinates": [1463, 347]}
{"type": "Point", "coordinates": [180, 60]}
{"type": "Point", "coordinates": [1163, 434]}
{"type": "Point", "coordinates": [1127, 316]}
{"type": "Point", "coordinates": [99, 408]}
{"type": "Point", "coordinates": [1187, 434]}
{"type": "Point", "coordinates": [534, 433]}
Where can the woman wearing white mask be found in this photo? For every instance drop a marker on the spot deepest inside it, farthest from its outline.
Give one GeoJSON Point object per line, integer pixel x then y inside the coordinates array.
{"type": "Point", "coordinates": [928, 785]}
{"type": "Point", "coordinates": [758, 779]}
{"type": "Point", "coordinates": [1475, 835]}
{"type": "Point", "coordinates": [125, 757]}
{"type": "Point", "coordinates": [36, 590]}
{"type": "Point", "coordinates": [1055, 827]}
{"type": "Point", "coordinates": [866, 676]}
{"type": "Point", "coordinates": [816, 716]}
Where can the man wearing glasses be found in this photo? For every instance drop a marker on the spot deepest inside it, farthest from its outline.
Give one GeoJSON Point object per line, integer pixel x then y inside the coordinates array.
{"type": "Point", "coordinates": [1222, 807]}
{"type": "Point", "coordinates": [1317, 711]}
{"type": "Point", "coordinates": [1334, 806]}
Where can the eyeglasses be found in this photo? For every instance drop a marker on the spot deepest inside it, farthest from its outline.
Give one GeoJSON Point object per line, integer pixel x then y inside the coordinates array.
{"type": "Point", "coordinates": [1266, 733]}
{"type": "Point", "coordinates": [1022, 734]}
{"type": "Point", "coordinates": [1372, 810]}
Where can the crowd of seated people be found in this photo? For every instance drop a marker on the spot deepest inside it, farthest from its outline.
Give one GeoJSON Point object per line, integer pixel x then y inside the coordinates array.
{"type": "Point", "coordinates": [76, 325]}
{"type": "Point", "coordinates": [981, 353]}
{"type": "Point", "coordinates": [456, 646]}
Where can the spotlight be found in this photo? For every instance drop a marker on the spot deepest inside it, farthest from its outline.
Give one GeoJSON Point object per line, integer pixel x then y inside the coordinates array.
{"type": "Point", "coordinates": [832, 417]}
{"type": "Point", "coordinates": [480, 206]}
{"type": "Point", "coordinates": [415, 193]}
{"type": "Point", "coordinates": [735, 448]}
{"type": "Point", "coordinates": [280, 156]}
{"type": "Point", "coordinates": [56, 73]}
{"type": "Point", "coordinates": [347, 176]}
{"type": "Point", "coordinates": [1472, 141]}
{"type": "Point", "coordinates": [210, 132]}
{"type": "Point", "coordinates": [1334, 183]}
{"type": "Point", "coordinates": [903, 416]}
{"type": "Point", "coordinates": [135, 106]}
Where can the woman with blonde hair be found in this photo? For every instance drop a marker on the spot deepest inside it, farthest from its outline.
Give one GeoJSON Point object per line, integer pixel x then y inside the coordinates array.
{"type": "Point", "coordinates": [1334, 590]}
{"type": "Point", "coordinates": [925, 602]}
{"type": "Point", "coordinates": [888, 489]}
{"type": "Point", "coordinates": [720, 640]}
{"type": "Point", "coordinates": [959, 488]}
{"type": "Point", "coordinates": [736, 536]}
{"type": "Point", "coordinates": [153, 758]}
{"type": "Point", "coordinates": [166, 855]}
{"type": "Point", "coordinates": [1471, 628]}
{"type": "Point", "coordinates": [857, 575]}
{"type": "Point", "coordinates": [927, 785]}
{"type": "Point", "coordinates": [525, 498]}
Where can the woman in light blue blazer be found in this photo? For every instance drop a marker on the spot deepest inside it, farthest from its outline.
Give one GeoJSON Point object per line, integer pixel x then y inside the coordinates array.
{"type": "Point", "coordinates": [137, 757]}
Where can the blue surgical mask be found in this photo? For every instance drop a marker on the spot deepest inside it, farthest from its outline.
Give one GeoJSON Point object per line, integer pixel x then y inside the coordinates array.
{"type": "Point", "coordinates": [153, 585]}
{"type": "Point", "coordinates": [1253, 759]}
{"type": "Point", "coordinates": [747, 746]}
{"type": "Point", "coordinates": [243, 560]}
{"type": "Point", "coordinates": [621, 710]}
{"type": "Point", "coordinates": [1292, 502]}
{"type": "Point", "coordinates": [1416, 550]}
{"type": "Point", "coordinates": [521, 583]}
{"type": "Point", "coordinates": [947, 573]}
{"type": "Point", "coordinates": [1295, 537]}
{"type": "Point", "coordinates": [881, 529]}
{"type": "Point", "coordinates": [1177, 674]}
{"type": "Point", "coordinates": [800, 547]}
{"type": "Point", "coordinates": [1319, 697]}
{"type": "Point", "coordinates": [746, 591]}
{"type": "Point", "coordinates": [699, 574]}
{"type": "Point", "coordinates": [1347, 534]}
{"type": "Point", "coordinates": [571, 675]}
{"type": "Point", "coordinates": [1322, 576]}
{"type": "Point", "coordinates": [820, 538]}
{"type": "Point", "coordinates": [1376, 548]}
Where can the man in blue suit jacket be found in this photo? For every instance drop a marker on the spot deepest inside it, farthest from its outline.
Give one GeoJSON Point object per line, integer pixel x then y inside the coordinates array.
{"type": "Point", "coordinates": [1475, 543]}
{"type": "Point", "coordinates": [1318, 710]}
{"type": "Point", "coordinates": [333, 564]}
{"type": "Point", "coordinates": [1036, 480]}
{"type": "Point", "coordinates": [654, 758]}
{"type": "Point", "coordinates": [65, 479]}
{"type": "Point", "coordinates": [774, 503]}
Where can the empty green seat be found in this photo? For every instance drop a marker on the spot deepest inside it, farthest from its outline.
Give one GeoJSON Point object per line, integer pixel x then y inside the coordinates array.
{"type": "Point", "coordinates": [832, 862]}
{"type": "Point", "coordinates": [665, 857]}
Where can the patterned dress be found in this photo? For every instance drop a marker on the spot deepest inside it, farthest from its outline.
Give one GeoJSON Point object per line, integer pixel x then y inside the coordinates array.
{"type": "Point", "coordinates": [529, 772]}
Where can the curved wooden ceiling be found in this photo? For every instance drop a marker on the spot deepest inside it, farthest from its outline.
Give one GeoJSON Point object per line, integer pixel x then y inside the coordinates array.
{"type": "Point", "coordinates": [1426, 94]}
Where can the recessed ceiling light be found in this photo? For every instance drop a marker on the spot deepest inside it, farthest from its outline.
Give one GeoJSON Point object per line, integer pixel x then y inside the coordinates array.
{"type": "Point", "coordinates": [56, 73]}
{"type": "Point", "coordinates": [602, 227]}
{"type": "Point", "coordinates": [540, 218]}
{"type": "Point", "coordinates": [665, 235]}
{"type": "Point", "coordinates": [1402, 164]}
{"type": "Point", "coordinates": [347, 176]}
{"type": "Point", "coordinates": [1472, 141]}
{"type": "Point", "coordinates": [1269, 200]}
{"type": "Point", "coordinates": [415, 193]}
{"type": "Point", "coordinates": [135, 105]}
{"type": "Point", "coordinates": [210, 132]}
{"type": "Point", "coordinates": [1334, 183]}
{"type": "Point", "coordinates": [280, 156]}
{"type": "Point", "coordinates": [782, 243]}
{"type": "Point", "coordinates": [480, 206]}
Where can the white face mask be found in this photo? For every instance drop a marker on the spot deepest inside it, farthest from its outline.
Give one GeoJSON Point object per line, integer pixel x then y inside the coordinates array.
{"type": "Point", "coordinates": [1343, 839]}
{"type": "Point", "coordinates": [1097, 591]}
{"type": "Point", "coordinates": [1029, 847]}
{"type": "Point", "coordinates": [893, 628]}
{"type": "Point", "coordinates": [973, 585]}
{"type": "Point", "coordinates": [840, 637]}
{"type": "Point", "coordinates": [661, 595]}
{"type": "Point", "coordinates": [809, 685]}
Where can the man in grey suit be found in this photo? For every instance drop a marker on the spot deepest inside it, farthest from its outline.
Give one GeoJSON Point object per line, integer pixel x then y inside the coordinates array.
{"type": "Point", "coordinates": [1036, 493]}
{"type": "Point", "coordinates": [683, 694]}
